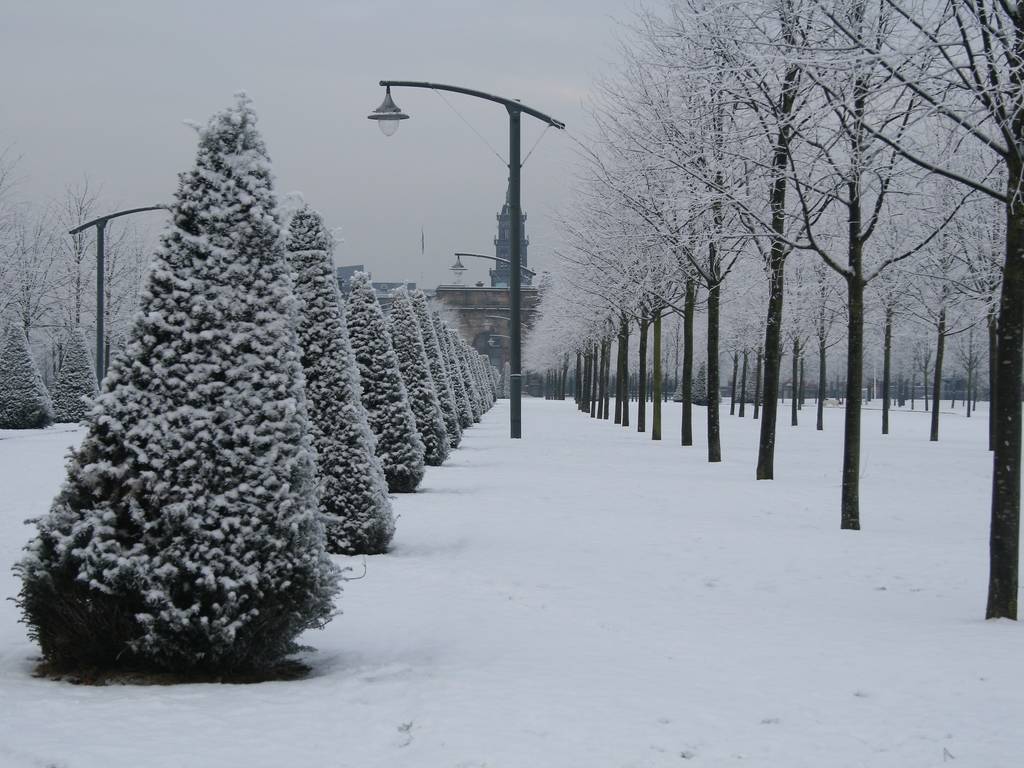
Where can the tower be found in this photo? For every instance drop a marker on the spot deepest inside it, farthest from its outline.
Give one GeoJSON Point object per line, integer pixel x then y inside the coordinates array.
{"type": "Point", "coordinates": [503, 248]}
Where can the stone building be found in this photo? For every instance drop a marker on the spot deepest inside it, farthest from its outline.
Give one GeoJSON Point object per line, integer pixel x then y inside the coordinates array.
{"type": "Point", "coordinates": [483, 315]}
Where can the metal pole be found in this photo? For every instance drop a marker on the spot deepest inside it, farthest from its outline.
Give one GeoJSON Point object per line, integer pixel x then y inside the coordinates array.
{"type": "Point", "coordinates": [515, 379]}
{"type": "Point", "coordinates": [100, 334]}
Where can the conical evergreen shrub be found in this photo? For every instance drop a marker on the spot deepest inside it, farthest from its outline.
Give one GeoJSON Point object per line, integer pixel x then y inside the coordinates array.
{"type": "Point", "coordinates": [186, 536]}
{"type": "Point", "coordinates": [384, 396]}
{"type": "Point", "coordinates": [700, 394]}
{"type": "Point", "coordinates": [438, 374]}
{"type": "Point", "coordinates": [473, 392]}
{"type": "Point", "coordinates": [75, 387]}
{"type": "Point", "coordinates": [353, 491]}
{"type": "Point", "coordinates": [24, 401]}
{"type": "Point", "coordinates": [463, 407]}
{"type": "Point", "coordinates": [412, 362]}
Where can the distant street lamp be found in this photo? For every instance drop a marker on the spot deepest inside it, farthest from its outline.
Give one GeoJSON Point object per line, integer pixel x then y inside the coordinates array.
{"type": "Point", "coordinates": [388, 116]}
{"type": "Point", "coordinates": [498, 259]}
{"type": "Point", "coordinates": [101, 226]}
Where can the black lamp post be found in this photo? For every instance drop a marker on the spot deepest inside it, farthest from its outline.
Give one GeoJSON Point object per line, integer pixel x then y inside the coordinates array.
{"type": "Point", "coordinates": [388, 116]}
{"type": "Point", "coordinates": [101, 226]}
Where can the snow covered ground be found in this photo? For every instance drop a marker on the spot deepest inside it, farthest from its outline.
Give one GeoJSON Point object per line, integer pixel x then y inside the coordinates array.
{"type": "Point", "coordinates": [585, 597]}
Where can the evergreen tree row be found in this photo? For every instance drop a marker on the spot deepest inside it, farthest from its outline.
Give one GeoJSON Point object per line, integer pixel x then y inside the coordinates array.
{"type": "Point", "coordinates": [254, 424]}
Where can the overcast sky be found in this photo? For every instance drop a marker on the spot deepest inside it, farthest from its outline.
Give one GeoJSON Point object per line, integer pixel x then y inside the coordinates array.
{"type": "Point", "coordinates": [101, 88]}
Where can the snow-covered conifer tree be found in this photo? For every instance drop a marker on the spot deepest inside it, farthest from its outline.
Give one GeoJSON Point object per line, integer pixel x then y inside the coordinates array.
{"type": "Point", "coordinates": [463, 407]}
{"type": "Point", "coordinates": [483, 365]}
{"type": "Point", "coordinates": [462, 360]}
{"type": "Point", "coordinates": [24, 401]}
{"type": "Point", "coordinates": [353, 490]}
{"type": "Point", "coordinates": [412, 362]}
{"type": "Point", "coordinates": [75, 387]}
{"type": "Point", "coordinates": [506, 381]}
{"type": "Point", "coordinates": [387, 404]}
{"type": "Point", "coordinates": [186, 536]}
{"type": "Point", "coordinates": [438, 373]}
{"type": "Point", "coordinates": [701, 396]}
{"type": "Point", "coordinates": [469, 357]}
{"type": "Point", "coordinates": [495, 382]}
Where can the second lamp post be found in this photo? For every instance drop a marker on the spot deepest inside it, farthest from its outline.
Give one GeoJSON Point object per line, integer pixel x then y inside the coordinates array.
{"type": "Point", "coordinates": [388, 116]}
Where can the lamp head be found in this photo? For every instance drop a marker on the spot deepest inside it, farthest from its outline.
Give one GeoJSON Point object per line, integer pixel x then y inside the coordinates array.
{"type": "Point", "coordinates": [388, 115]}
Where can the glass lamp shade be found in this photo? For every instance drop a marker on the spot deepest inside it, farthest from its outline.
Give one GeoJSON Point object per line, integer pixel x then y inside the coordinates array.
{"type": "Point", "coordinates": [388, 115]}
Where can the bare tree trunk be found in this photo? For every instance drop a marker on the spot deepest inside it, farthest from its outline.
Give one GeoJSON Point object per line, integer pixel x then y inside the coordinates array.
{"type": "Point", "coordinates": [854, 377]}
{"type": "Point", "coordinates": [578, 383]}
{"type": "Point", "coordinates": [689, 305]}
{"type": "Point", "coordinates": [800, 402]}
{"type": "Point", "coordinates": [743, 384]}
{"type": "Point", "coordinates": [606, 379]}
{"type": "Point", "coordinates": [1004, 538]}
{"type": "Point", "coordinates": [594, 376]}
{"type": "Point", "coordinates": [940, 347]}
{"type": "Point", "coordinates": [620, 365]}
{"type": "Point", "coordinates": [772, 352]}
{"type": "Point", "coordinates": [757, 386]}
{"type": "Point", "coordinates": [656, 383]}
{"type": "Point", "coordinates": [924, 384]}
{"type": "Point", "coordinates": [795, 399]}
{"type": "Point", "coordinates": [822, 383]}
{"type": "Point", "coordinates": [992, 361]}
{"type": "Point", "coordinates": [886, 368]}
{"type": "Point", "coordinates": [776, 264]}
{"type": "Point", "coordinates": [714, 430]}
{"type": "Point", "coordinates": [970, 383]}
{"type": "Point", "coordinates": [641, 398]}
{"type": "Point", "coordinates": [732, 395]}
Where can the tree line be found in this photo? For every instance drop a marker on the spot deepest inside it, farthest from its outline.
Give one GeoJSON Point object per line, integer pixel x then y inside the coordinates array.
{"type": "Point", "coordinates": [803, 172]}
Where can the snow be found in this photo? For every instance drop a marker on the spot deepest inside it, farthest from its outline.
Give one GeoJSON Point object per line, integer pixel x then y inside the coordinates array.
{"type": "Point", "coordinates": [585, 597]}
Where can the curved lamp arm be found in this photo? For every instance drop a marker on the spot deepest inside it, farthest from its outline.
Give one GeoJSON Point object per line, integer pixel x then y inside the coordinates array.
{"type": "Point", "coordinates": [509, 104]}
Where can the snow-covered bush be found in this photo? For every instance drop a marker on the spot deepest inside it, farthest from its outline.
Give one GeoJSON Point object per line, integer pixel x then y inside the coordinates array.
{"type": "Point", "coordinates": [700, 395]}
{"type": "Point", "coordinates": [463, 406]}
{"type": "Point", "coordinates": [24, 401]}
{"type": "Point", "coordinates": [412, 362]}
{"type": "Point", "coordinates": [468, 377]}
{"type": "Point", "coordinates": [438, 373]}
{"type": "Point", "coordinates": [387, 404]}
{"type": "Point", "coordinates": [75, 387]}
{"type": "Point", "coordinates": [353, 490]}
{"type": "Point", "coordinates": [186, 536]}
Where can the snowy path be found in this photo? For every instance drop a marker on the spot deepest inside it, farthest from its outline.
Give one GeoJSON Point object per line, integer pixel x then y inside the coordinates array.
{"type": "Point", "coordinates": [588, 598]}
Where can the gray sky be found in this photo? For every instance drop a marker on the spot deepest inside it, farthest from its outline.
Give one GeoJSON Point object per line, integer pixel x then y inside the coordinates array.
{"type": "Point", "coordinates": [101, 87]}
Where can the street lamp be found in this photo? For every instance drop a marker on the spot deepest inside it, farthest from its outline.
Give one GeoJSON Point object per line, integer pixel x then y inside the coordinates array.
{"type": "Point", "coordinates": [101, 226]}
{"type": "Point", "coordinates": [388, 116]}
{"type": "Point", "coordinates": [498, 259]}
